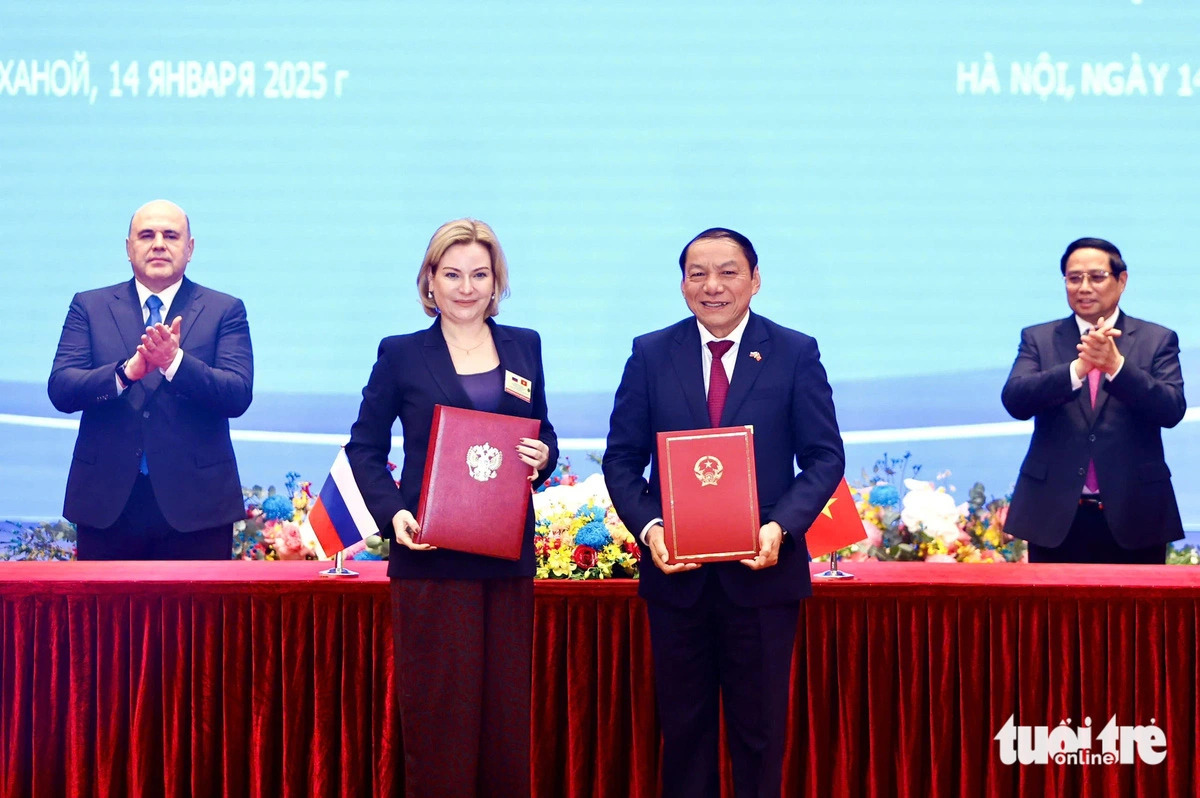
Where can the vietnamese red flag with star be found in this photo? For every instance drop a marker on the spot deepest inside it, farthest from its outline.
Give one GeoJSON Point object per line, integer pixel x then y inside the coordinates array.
{"type": "Point", "coordinates": [837, 526]}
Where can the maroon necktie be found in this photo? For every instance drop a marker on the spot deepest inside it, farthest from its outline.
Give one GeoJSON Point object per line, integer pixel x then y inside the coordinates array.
{"type": "Point", "coordinates": [718, 381]}
{"type": "Point", "coordinates": [1090, 483]}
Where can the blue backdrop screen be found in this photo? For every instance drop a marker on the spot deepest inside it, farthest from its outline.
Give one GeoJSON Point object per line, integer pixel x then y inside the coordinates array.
{"type": "Point", "coordinates": [909, 172]}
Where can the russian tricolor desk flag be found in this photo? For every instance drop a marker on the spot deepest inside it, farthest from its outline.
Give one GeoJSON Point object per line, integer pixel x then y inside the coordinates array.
{"type": "Point", "coordinates": [339, 518]}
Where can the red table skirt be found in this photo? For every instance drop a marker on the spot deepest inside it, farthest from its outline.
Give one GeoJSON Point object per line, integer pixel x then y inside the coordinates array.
{"type": "Point", "coordinates": [265, 679]}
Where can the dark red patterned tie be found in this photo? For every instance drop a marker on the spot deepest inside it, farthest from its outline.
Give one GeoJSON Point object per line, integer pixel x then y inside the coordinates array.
{"type": "Point", "coordinates": [718, 381]}
{"type": "Point", "coordinates": [1090, 483]}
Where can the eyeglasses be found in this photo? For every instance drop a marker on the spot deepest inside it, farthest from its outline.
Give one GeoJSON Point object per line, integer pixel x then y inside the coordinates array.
{"type": "Point", "coordinates": [1097, 279]}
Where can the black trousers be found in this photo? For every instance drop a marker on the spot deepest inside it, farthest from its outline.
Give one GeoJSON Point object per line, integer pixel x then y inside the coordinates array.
{"type": "Point", "coordinates": [1090, 541]}
{"type": "Point", "coordinates": [141, 533]}
{"type": "Point", "coordinates": [715, 655]}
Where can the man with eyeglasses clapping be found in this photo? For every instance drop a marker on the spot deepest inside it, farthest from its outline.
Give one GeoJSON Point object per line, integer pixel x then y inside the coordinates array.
{"type": "Point", "coordinates": [1100, 386]}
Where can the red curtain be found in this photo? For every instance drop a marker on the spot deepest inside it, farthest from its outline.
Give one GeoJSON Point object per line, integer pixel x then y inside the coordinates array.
{"type": "Point", "coordinates": [249, 679]}
{"type": "Point", "coordinates": [186, 690]}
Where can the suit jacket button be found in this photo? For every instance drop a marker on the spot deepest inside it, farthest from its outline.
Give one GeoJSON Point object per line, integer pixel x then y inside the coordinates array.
{"type": "Point", "coordinates": [138, 453]}
{"type": "Point", "coordinates": [146, 414]}
{"type": "Point", "coordinates": [1090, 437]}
{"type": "Point", "coordinates": [1083, 472]}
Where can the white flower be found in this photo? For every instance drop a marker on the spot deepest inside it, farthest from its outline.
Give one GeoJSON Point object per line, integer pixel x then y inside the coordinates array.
{"type": "Point", "coordinates": [931, 510]}
{"type": "Point", "coordinates": [572, 497]}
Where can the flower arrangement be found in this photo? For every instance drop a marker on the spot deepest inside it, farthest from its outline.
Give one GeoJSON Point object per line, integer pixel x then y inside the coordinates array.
{"type": "Point", "coordinates": [273, 528]}
{"type": "Point", "coordinates": [44, 541]}
{"type": "Point", "coordinates": [1183, 555]}
{"type": "Point", "coordinates": [925, 523]}
{"type": "Point", "coordinates": [577, 534]}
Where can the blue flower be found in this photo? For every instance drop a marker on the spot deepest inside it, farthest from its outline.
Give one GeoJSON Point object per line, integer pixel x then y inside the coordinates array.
{"type": "Point", "coordinates": [591, 512]}
{"type": "Point", "coordinates": [594, 534]}
{"type": "Point", "coordinates": [278, 508]}
{"type": "Point", "coordinates": [884, 496]}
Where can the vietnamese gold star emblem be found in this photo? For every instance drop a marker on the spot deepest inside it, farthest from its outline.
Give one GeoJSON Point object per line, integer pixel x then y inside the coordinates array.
{"type": "Point", "coordinates": [709, 470]}
{"type": "Point", "coordinates": [828, 511]}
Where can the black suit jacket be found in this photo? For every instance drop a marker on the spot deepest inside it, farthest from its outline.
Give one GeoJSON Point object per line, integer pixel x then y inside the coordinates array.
{"type": "Point", "coordinates": [1122, 434]}
{"type": "Point", "coordinates": [183, 423]}
{"type": "Point", "coordinates": [413, 373]}
{"type": "Point", "coordinates": [785, 395]}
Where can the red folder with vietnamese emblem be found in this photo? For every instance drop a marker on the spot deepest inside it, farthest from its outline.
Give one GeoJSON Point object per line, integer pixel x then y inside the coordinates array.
{"type": "Point", "coordinates": [709, 494]}
{"type": "Point", "coordinates": [475, 494]}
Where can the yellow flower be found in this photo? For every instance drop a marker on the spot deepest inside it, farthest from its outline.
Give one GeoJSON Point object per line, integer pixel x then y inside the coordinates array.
{"type": "Point", "coordinates": [559, 562]}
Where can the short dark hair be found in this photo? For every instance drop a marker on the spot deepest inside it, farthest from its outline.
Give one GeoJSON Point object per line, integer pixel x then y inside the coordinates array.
{"type": "Point", "coordinates": [1115, 261]}
{"type": "Point", "coordinates": [722, 232]}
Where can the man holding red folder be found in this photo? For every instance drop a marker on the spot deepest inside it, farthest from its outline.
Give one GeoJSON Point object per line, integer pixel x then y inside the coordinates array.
{"type": "Point", "coordinates": [725, 630]}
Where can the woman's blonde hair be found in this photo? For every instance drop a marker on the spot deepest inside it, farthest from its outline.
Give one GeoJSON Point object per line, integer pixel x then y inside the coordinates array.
{"type": "Point", "coordinates": [463, 231]}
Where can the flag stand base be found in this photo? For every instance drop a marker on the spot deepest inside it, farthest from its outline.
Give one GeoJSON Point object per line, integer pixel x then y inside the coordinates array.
{"type": "Point", "coordinates": [337, 569]}
{"type": "Point", "coordinates": [834, 571]}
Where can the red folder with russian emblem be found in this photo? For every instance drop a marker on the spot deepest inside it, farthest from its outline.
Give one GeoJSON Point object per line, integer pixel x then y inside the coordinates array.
{"type": "Point", "coordinates": [709, 494]}
{"type": "Point", "coordinates": [475, 494]}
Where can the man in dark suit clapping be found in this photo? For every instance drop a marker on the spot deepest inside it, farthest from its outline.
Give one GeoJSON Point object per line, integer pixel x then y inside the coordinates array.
{"type": "Point", "coordinates": [725, 630]}
{"type": "Point", "coordinates": [158, 365]}
{"type": "Point", "coordinates": [1100, 386]}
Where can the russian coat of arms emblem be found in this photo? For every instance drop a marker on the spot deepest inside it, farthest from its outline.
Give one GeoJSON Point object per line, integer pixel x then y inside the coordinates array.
{"type": "Point", "coordinates": [483, 461]}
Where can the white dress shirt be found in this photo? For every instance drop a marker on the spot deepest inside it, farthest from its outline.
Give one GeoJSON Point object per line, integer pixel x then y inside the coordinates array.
{"type": "Point", "coordinates": [728, 360]}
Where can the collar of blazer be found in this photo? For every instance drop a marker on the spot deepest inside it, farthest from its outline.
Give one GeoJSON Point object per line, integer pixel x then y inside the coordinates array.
{"type": "Point", "coordinates": [188, 304]}
{"type": "Point", "coordinates": [688, 364]}
{"type": "Point", "coordinates": [512, 358]}
{"type": "Point", "coordinates": [127, 312]}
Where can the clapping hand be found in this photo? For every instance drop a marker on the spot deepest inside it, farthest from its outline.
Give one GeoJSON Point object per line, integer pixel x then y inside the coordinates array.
{"type": "Point", "coordinates": [1098, 349]}
{"type": "Point", "coordinates": [160, 343]}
